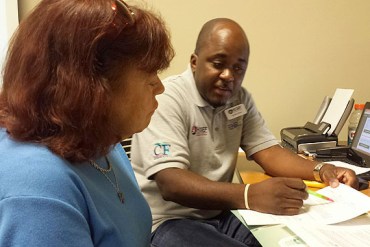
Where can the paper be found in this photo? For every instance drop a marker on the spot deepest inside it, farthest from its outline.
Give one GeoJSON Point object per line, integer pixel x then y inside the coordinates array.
{"type": "Point", "coordinates": [336, 108]}
{"type": "Point", "coordinates": [355, 232]}
{"type": "Point", "coordinates": [356, 169]}
{"type": "Point", "coordinates": [348, 203]}
{"type": "Point", "coordinates": [291, 241]}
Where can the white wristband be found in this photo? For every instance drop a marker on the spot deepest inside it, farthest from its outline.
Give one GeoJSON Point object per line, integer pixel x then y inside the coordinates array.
{"type": "Point", "coordinates": [246, 196]}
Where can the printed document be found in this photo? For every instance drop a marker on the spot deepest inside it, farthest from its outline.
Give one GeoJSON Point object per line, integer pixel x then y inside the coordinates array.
{"type": "Point", "coordinates": [355, 232]}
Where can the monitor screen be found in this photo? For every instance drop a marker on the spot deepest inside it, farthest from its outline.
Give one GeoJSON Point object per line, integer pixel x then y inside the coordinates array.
{"type": "Point", "coordinates": [361, 140]}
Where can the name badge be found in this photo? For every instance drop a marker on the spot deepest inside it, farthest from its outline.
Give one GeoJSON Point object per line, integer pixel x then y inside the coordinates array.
{"type": "Point", "coordinates": [235, 111]}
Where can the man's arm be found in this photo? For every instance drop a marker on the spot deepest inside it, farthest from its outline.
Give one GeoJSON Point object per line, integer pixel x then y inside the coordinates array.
{"type": "Point", "coordinates": [278, 195]}
{"type": "Point", "coordinates": [277, 161]}
{"type": "Point", "coordinates": [192, 190]}
{"type": "Point", "coordinates": [275, 195]}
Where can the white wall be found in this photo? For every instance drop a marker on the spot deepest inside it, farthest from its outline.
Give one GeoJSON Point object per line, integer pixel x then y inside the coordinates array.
{"type": "Point", "coordinates": [8, 23]}
{"type": "Point", "coordinates": [301, 50]}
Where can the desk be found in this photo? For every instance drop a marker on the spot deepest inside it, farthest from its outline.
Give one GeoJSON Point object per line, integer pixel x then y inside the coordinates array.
{"type": "Point", "coordinates": [271, 236]}
{"type": "Point", "coordinates": [249, 172]}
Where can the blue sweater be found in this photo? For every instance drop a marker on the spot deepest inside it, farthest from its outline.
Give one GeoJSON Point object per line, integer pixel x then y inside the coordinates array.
{"type": "Point", "coordinates": [47, 201]}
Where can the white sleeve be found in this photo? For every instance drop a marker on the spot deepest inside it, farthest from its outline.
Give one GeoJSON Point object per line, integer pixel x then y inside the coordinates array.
{"type": "Point", "coordinates": [164, 142]}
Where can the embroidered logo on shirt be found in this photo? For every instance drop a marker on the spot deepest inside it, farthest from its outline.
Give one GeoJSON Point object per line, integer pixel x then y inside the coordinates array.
{"type": "Point", "coordinates": [234, 124]}
{"type": "Point", "coordinates": [161, 150]}
{"type": "Point", "coordinates": [199, 131]}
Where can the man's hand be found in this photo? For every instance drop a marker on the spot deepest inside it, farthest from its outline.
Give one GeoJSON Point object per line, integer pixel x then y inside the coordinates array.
{"type": "Point", "coordinates": [333, 175]}
{"type": "Point", "coordinates": [282, 196]}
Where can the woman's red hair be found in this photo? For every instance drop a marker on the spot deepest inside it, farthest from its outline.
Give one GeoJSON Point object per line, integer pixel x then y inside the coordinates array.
{"type": "Point", "coordinates": [61, 68]}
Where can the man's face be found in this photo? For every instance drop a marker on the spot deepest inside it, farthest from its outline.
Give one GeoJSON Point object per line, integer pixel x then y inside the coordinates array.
{"type": "Point", "coordinates": [220, 65]}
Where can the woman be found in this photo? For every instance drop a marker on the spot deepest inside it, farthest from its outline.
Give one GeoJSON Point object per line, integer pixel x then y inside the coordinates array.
{"type": "Point", "coordinates": [80, 76]}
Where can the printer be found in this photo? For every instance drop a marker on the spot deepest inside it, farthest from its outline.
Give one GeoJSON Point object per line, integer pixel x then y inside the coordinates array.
{"type": "Point", "coordinates": [315, 135]}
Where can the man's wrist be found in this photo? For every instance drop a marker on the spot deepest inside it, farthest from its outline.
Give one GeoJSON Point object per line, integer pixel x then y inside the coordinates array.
{"type": "Point", "coordinates": [317, 171]}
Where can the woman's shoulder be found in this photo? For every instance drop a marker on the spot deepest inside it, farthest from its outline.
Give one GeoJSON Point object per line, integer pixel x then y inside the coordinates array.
{"type": "Point", "coordinates": [28, 169]}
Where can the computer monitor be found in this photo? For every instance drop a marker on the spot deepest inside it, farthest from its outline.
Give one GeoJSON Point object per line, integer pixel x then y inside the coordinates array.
{"type": "Point", "coordinates": [361, 141]}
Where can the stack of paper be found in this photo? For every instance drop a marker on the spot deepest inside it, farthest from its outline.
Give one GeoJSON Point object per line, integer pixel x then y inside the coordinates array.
{"type": "Point", "coordinates": [356, 169]}
{"type": "Point", "coordinates": [355, 232]}
{"type": "Point", "coordinates": [319, 218]}
{"type": "Point", "coordinates": [336, 108]}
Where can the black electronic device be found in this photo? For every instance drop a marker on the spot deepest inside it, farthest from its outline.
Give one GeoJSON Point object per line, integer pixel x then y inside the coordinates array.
{"type": "Point", "coordinates": [314, 135]}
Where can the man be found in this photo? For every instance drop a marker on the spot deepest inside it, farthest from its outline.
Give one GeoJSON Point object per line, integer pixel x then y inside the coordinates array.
{"type": "Point", "coordinates": [185, 159]}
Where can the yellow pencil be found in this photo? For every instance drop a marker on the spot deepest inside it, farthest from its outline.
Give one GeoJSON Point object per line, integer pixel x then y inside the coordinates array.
{"type": "Point", "coordinates": [314, 184]}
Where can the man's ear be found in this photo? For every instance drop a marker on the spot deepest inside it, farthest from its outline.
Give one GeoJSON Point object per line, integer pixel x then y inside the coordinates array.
{"type": "Point", "coordinates": [193, 61]}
